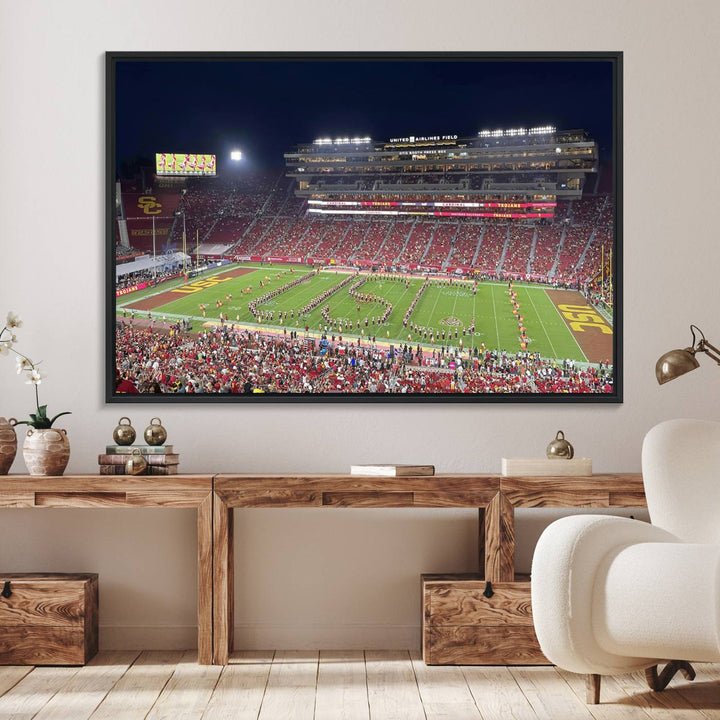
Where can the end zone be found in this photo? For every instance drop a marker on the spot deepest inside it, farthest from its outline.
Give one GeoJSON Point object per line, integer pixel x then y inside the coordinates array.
{"type": "Point", "coordinates": [589, 328]}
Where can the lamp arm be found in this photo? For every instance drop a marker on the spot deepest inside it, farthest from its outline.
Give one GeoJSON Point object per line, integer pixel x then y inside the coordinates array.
{"type": "Point", "coordinates": [710, 350]}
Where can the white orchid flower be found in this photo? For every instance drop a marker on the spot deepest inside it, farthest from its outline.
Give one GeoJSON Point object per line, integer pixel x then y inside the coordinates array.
{"type": "Point", "coordinates": [29, 370]}
{"type": "Point", "coordinates": [23, 364]}
{"type": "Point", "coordinates": [13, 320]}
{"type": "Point", "coordinates": [35, 377]}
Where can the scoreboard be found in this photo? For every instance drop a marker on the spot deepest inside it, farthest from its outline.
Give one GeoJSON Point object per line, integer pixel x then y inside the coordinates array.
{"type": "Point", "coordinates": [184, 165]}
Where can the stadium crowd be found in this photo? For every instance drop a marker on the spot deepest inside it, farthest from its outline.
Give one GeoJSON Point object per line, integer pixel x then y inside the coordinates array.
{"type": "Point", "coordinates": [145, 276]}
{"type": "Point", "coordinates": [229, 360]}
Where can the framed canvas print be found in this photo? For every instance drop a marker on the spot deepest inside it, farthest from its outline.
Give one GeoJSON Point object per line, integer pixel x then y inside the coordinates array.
{"type": "Point", "coordinates": [373, 226]}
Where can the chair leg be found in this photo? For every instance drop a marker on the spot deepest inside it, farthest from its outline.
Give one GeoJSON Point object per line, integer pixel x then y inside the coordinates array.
{"type": "Point", "coordinates": [592, 689]}
{"type": "Point", "coordinates": [660, 682]}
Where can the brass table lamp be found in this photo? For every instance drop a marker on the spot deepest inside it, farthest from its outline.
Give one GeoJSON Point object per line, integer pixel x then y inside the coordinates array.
{"type": "Point", "coordinates": [677, 362]}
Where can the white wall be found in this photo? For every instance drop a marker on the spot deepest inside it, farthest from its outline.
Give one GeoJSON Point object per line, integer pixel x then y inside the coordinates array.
{"type": "Point", "coordinates": [331, 578]}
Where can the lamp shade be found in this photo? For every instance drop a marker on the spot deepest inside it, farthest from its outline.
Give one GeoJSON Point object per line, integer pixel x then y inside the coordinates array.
{"type": "Point", "coordinates": [675, 363]}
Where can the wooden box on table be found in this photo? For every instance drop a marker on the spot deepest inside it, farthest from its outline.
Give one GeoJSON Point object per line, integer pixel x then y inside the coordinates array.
{"type": "Point", "coordinates": [467, 622]}
{"type": "Point", "coordinates": [48, 618]}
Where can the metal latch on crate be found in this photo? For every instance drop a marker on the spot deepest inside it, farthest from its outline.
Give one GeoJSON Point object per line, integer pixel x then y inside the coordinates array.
{"type": "Point", "coordinates": [6, 592]}
{"type": "Point", "coordinates": [488, 592]}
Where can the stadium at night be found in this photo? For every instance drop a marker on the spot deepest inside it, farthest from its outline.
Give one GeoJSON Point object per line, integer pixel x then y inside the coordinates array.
{"type": "Point", "coordinates": [443, 264]}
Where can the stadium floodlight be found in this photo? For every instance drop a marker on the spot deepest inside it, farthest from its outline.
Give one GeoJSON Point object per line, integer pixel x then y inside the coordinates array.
{"type": "Point", "coordinates": [236, 155]}
{"type": "Point", "coordinates": [542, 130]}
{"type": "Point", "coordinates": [677, 362]}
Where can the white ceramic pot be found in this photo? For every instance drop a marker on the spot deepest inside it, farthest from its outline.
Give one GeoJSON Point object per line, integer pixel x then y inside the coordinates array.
{"type": "Point", "coordinates": [47, 451]}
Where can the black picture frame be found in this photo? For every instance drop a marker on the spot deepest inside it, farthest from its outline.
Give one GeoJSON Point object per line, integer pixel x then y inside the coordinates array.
{"type": "Point", "coordinates": [531, 82]}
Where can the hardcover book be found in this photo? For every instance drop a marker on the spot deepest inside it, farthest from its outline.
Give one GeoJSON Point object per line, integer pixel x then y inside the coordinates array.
{"type": "Point", "coordinates": [144, 449]}
{"type": "Point", "coordinates": [547, 467]}
{"type": "Point", "coordinates": [392, 470]}
{"type": "Point", "coordinates": [167, 459]}
{"type": "Point", "coordinates": [149, 470]}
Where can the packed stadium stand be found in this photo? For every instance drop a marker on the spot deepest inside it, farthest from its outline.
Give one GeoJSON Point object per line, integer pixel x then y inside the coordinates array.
{"type": "Point", "coordinates": [467, 241]}
{"type": "Point", "coordinates": [438, 251]}
{"type": "Point", "coordinates": [491, 250]}
{"type": "Point", "coordinates": [264, 221]}
{"type": "Point", "coordinates": [353, 240]}
{"type": "Point", "coordinates": [312, 237]}
{"type": "Point", "coordinates": [395, 240]}
{"type": "Point", "coordinates": [546, 248]}
{"type": "Point", "coordinates": [492, 213]}
{"type": "Point", "coordinates": [235, 362]}
{"type": "Point", "coordinates": [574, 244]}
{"type": "Point", "coordinates": [417, 243]}
{"type": "Point", "coordinates": [520, 246]}
{"type": "Point", "coordinates": [285, 246]}
{"type": "Point", "coordinates": [375, 236]}
{"type": "Point", "coordinates": [332, 238]}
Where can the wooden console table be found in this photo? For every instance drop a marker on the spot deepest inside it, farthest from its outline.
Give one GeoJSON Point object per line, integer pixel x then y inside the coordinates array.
{"type": "Point", "coordinates": [495, 497]}
{"type": "Point", "coordinates": [108, 491]}
{"type": "Point", "coordinates": [215, 497]}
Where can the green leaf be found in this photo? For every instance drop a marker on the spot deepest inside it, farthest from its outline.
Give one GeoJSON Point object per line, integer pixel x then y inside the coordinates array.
{"type": "Point", "coordinates": [67, 412]}
{"type": "Point", "coordinates": [42, 411]}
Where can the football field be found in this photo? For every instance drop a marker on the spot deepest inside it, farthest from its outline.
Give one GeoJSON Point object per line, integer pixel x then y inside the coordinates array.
{"type": "Point", "coordinates": [443, 316]}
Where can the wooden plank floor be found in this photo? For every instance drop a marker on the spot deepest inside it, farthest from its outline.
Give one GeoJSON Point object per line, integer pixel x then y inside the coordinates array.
{"type": "Point", "coordinates": [345, 685]}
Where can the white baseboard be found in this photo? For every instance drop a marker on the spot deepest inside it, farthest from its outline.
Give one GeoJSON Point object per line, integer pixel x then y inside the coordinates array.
{"type": "Point", "coordinates": [266, 637]}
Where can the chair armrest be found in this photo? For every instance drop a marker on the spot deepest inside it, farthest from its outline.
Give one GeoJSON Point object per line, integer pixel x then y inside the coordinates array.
{"type": "Point", "coordinates": [659, 599]}
{"type": "Point", "coordinates": [565, 563]}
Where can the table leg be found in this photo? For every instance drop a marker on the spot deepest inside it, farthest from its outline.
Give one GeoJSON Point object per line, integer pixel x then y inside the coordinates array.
{"type": "Point", "coordinates": [205, 587]}
{"type": "Point", "coordinates": [223, 581]}
{"type": "Point", "coordinates": [481, 542]}
{"type": "Point", "coordinates": [499, 519]}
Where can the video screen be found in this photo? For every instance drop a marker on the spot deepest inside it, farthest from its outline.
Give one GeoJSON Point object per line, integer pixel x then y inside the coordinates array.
{"type": "Point", "coordinates": [184, 165]}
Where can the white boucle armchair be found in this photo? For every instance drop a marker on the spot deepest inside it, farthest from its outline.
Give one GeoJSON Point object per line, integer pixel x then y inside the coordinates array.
{"type": "Point", "coordinates": [613, 595]}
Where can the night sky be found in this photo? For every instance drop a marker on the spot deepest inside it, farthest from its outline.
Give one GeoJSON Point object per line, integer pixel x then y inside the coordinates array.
{"type": "Point", "coordinates": [264, 108]}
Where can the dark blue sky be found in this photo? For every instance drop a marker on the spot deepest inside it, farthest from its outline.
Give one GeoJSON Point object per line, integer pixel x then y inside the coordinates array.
{"type": "Point", "coordinates": [266, 107]}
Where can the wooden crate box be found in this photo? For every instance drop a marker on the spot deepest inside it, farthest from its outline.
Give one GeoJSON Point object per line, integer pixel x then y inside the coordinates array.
{"type": "Point", "coordinates": [48, 618]}
{"type": "Point", "coordinates": [461, 626]}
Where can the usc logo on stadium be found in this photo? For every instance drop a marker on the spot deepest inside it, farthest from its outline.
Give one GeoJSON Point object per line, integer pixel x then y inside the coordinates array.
{"type": "Point", "coordinates": [149, 205]}
{"type": "Point", "coordinates": [584, 316]}
{"type": "Point", "coordinates": [200, 285]}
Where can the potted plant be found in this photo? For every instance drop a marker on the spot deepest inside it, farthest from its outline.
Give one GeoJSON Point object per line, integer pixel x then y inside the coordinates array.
{"type": "Point", "coordinates": [46, 449]}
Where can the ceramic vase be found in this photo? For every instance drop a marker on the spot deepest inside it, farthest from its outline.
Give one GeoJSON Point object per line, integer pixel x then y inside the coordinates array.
{"type": "Point", "coordinates": [46, 451]}
{"type": "Point", "coordinates": [8, 445]}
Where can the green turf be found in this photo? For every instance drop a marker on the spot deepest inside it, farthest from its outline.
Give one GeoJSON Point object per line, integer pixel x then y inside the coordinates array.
{"type": "Point", "coordinates": [442, 306]}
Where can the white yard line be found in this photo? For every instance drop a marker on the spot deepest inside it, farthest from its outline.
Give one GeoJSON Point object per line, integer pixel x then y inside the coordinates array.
{"type": "Point", "coordinates": [497, 329]}
{"type": "Point", "coordinates": [432, 314]}
{"type": "Point", "coordinates": [564, 323]}
{"type": "Point", "coordinates": [539, 317]}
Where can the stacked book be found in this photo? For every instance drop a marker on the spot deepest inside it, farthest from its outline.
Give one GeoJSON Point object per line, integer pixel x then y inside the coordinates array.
{"type": "Point", "coordinates": [392, 470]}
{"type": "Point", "coordinates": [160, 459]}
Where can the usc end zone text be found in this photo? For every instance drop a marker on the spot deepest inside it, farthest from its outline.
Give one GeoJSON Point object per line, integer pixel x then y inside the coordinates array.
{"type": "Point", "coordinates": [582, 317]}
